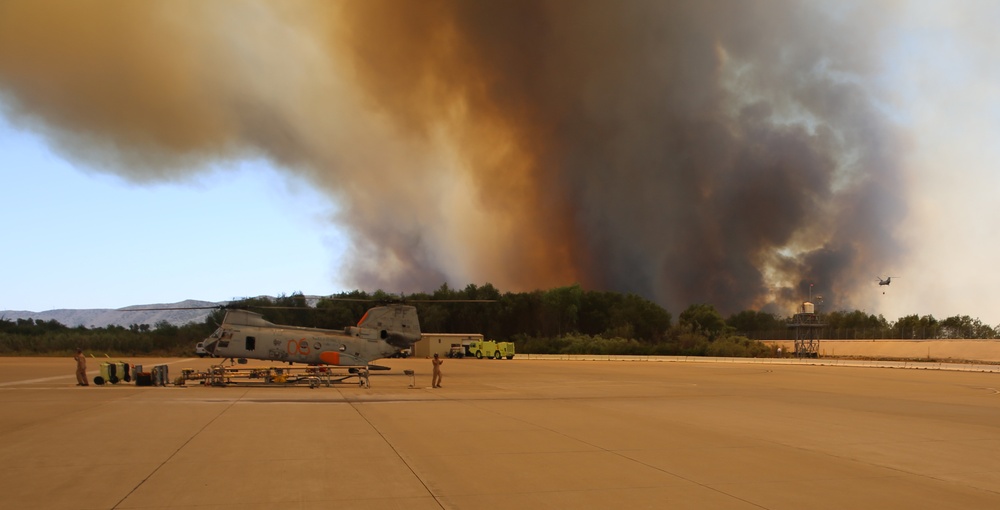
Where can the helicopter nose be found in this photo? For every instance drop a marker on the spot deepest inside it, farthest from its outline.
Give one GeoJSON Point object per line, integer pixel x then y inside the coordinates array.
{"type": "Point", "coordinates": [210, 344]}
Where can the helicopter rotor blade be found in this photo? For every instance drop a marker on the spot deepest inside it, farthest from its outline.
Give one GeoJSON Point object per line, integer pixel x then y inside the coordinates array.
{"type": "Point", "coordinates": [401, 300]}
{"type": "Point", "coordinates": [238, 306]}
{"type": "Point", "coordinates": [157, 309]}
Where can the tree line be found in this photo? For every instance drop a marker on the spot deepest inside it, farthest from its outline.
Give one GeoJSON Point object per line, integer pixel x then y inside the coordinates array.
{"type": "Point", "coordinates": [28, 337]}
{"type": "Point", "coordinates": [562, 320]}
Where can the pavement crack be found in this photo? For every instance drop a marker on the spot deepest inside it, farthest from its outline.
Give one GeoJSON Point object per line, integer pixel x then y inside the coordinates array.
{"type": "Point", "coordinates": [399, 455]}
{"type": "Point", "coordinates": [179, 448]}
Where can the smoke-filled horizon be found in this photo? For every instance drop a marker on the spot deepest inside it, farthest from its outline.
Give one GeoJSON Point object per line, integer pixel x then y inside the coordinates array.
{"type": "Point", "coordinates": [715, 152]}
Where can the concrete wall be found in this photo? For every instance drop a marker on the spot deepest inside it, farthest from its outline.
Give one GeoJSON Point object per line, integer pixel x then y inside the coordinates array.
{"type": "Point", "coordinates": [958, 350]}
{"type": "Point", "coordinates": [833, 362]}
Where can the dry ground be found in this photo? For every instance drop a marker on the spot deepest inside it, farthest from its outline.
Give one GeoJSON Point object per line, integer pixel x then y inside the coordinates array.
{"type": "Point", "coordinates": [508, 434]}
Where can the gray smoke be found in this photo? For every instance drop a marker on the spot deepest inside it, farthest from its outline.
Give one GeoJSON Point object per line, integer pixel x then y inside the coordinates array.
{"type": "Point", "coordinates": [727, 152]}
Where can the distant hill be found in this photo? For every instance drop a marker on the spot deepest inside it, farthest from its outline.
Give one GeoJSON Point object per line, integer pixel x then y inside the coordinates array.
{"type": "Point", "coordinates": [136, 314]}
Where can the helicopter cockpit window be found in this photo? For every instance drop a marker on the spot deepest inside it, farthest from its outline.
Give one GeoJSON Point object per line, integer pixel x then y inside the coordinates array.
{"type": "Point", "coordinates": [251, 343]}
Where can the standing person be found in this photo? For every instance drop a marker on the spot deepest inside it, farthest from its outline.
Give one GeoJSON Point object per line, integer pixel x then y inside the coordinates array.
{"type": "Point", "coordinates": [81, 368]}
{"type": "Point", "coordinates": [436, 378]}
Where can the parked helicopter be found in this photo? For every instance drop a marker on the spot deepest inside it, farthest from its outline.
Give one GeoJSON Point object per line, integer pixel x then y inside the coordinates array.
{"type": "Point", "coordinates": [382, 332]}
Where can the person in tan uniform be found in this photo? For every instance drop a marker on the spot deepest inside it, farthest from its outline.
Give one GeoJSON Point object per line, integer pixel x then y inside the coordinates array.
{"type": "Point", "coordinates": [81, 368]}
{"type": "Point", "coordinates": [436, 377]}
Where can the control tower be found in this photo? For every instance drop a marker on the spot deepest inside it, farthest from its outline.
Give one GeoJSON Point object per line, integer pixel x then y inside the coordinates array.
{"type": "Point", "coordinates": [805, 323]}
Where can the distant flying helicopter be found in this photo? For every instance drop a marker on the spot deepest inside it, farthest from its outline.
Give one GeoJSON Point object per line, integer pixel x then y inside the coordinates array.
{"type": "Point", "coordinates": [885, 282]}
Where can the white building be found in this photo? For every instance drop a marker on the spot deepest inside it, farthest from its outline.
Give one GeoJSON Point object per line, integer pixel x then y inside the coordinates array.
{"type": "Point", "coordinates": [441, 343]}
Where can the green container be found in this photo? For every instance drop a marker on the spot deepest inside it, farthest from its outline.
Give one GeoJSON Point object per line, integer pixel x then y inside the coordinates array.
{"type": "Point", "coordinates": [114, 372]}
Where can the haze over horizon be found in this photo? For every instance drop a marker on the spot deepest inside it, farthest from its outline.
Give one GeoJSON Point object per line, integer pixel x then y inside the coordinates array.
{"type": "Point", "coordinates": [724, 152]}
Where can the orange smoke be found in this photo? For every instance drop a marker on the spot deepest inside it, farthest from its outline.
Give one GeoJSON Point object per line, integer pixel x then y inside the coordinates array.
{"type": "Point", "coordinates": [718, 153]}
{"type": "Point", "coordinates": [445, 66]}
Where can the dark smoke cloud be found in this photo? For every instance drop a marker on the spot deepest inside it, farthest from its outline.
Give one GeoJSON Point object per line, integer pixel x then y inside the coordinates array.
{"type": "Point", "coordinates": [720, 152]}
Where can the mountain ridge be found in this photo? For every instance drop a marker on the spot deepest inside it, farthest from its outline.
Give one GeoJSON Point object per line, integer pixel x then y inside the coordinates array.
{"type": "Point", "coordinates": [172, 313]}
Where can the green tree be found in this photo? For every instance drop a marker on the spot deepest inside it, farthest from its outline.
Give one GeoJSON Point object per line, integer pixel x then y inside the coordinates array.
{"type": "Point", "coordinates": [963, 326]}
{"type": "Point", "coordinates": [561, 310]}
{"type": "Point", "coordinates": [914, 327]}
{"type": "Point", "coordinates": [757, 325]}
{"type": "Point", "coordinates": [858, 324]}
{"type": "Point", "coordinates": [704, 319]}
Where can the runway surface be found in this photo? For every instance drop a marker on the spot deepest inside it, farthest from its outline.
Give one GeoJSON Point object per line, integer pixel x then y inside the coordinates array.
{"type": "Point", "coordinates": [507, 434]}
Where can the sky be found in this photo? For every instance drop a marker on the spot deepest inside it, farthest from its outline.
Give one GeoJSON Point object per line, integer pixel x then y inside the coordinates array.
{"type": "Point", "coordinates": [80, 239]}
{"type": "Point", "coordinates": [86, 231]}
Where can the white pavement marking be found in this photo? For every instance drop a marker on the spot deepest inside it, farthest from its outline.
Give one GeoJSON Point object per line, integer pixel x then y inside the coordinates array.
{"type": "Point", "coordinates": [73, 376]}
{"type": "Point", "coordinates": [41, 380]}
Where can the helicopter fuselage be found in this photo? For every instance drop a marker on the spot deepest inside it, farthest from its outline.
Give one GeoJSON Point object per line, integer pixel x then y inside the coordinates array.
{"type": "Point", "coordinates": [301, 345]}
{"type": "Point", "coordinates": [246, 335]}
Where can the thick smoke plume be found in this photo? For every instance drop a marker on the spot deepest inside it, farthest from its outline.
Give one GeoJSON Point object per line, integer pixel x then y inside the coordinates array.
{"type": "Point", "coordinates": [721, 152]}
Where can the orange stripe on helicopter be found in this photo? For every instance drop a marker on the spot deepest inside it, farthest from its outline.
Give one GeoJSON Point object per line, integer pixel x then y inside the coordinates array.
{"type": "Point", "coordinates": [363, 317]}
{"type": "Point", "coordinates": [330, 357]}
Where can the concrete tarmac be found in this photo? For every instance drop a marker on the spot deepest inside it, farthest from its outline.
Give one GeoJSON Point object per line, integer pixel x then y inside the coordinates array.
{"type": "Point", "coordinates": [507, 434]}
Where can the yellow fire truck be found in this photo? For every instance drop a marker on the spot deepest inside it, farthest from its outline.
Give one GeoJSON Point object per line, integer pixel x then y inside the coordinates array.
{"type": "Point", "coordinates": [489, 349]}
